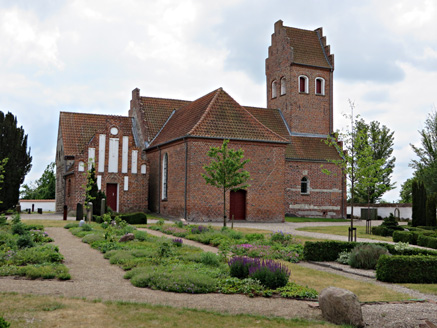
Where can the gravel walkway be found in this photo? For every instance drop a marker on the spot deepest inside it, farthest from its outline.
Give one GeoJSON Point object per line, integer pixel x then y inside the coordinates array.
{"type": "Point", "coordinates": [95, 278]}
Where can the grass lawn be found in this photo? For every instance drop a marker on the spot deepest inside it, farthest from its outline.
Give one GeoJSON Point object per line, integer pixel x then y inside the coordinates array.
{"type": "Point", "coordinates": [343, 231]}
{"type": "Point", "coordinates": [366, 292]}
{"type": "Point", "coordinates": [49, 311]}
{"type": "Point", "coordinates": [295, 219]}
{"type": "Point", "coordinates": [423, 288]}
{"type": "Point", "coordinates": [48, 223]}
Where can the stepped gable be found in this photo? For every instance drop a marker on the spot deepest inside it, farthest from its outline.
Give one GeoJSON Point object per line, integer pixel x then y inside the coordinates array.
{"type": "Point", "coordinates": [271, 118]}
{"type": "Point", "coordinates": [310, 148]}
{"type": "Point", "coordinates": [309, 47]}
{"type": "Point", "coordinates": [156, 111]}
{"type": "Point", "coordinates": [215, 115]}
{"type": "Point", "coordinates": [78, 129]}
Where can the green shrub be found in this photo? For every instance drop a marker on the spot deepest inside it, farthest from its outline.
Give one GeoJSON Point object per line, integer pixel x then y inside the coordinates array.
{"type": "Point", "coordinates": [19, 228]}
{"type": "Point", "coordinates": [403, 236]}
{"type": "Point", "coordinates": [179, 280]}
{"type": "Point", "coordinates": [25, 241]}
{"type": "Point", "coordinates": [38, 255]}
{"type": "Point", "coordinates": [427, 241]}
{"type": "Point", "coordinates": [71, 225]}
{"type": "Point", "coordinates": [4, 323]}
{"type": "Point", "coordinates": [120, 257]}
{"type": "Point", "coordinates": [135, 218]}
{"type": "Point", "coordinates": [140, 235]}
{"type": "Point", "coordinates": [209, 258]}
{"type": "Point", "coordinates": [366, 256]}
{"type": "Point", "coordinates": [270, 273]}
{"type": "Point", "coordinates": [254, 236]}
{"type": "Point", "coordinates": [407, 269]}
{"type": "Point", "coordinates": [343, 258]}
{"type": "Point", "coordinates": [91, 238]}
{"type": "Point", "coordinates": [87, 227]}
{"type": "Point", "coordinates": [236, 235]}
{"type": "Point", "coordinates": [293, 290]}
{"type": "Point", "coordinates": [387, 227]}
{"type": "Point", "coordinates": [247, 286]}
{"type": "Point", "coordinates": [326, 250]}
{"type": "Point", "coordinates": [239, 266]}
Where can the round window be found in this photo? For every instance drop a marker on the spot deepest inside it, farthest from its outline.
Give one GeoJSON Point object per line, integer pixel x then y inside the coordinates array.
{"type": "Point", "coordinates": [114, 131]}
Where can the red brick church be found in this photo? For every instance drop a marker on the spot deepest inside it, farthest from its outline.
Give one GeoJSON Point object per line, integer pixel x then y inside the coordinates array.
{"type": "Point", "coordinates": [152, 159]}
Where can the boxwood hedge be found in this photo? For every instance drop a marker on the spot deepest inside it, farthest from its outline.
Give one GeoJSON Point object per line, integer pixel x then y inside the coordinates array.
{"type": "Point", "coordinates": [407, 269]}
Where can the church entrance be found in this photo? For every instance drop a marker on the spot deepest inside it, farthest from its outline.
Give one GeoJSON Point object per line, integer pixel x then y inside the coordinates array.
{"type": "Point", "coordinates": [237, 205]}
{"type": "Point", "coordinates": [111, 196]}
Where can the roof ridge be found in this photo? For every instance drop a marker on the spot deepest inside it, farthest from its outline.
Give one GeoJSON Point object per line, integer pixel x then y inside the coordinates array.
{"type": "Point", "coordinates": [94, 114]}
{"type": "Point", "coordinates": [208, 109]}
{"type": "Point", "coordinates": [146, 97]}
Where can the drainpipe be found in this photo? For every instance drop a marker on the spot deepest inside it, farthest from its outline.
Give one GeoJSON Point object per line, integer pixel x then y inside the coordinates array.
{"type": "Point", "coordinates": [159, 182]}
{"type": "Point", "coordinates": [186, 175]}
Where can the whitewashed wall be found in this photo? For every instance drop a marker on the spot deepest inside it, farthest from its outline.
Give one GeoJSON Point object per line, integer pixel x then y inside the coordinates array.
{"type": "Point", "coordinates": [47, 205]}
{"type": "Point", "coordinates": [384, 210]}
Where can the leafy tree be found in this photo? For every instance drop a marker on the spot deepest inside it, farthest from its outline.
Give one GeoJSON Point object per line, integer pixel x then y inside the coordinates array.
{"type": "Point", "coordinates": [406, 191]}
{"type": "Point", "coordinates": [369, 189]}
{"type": "Point", "coordinates": [426, 164]}
{"type": "Point", "coordinates": [45, 186]}
{"type": "Point", "coordinates": [92, 192]}
{"type": "Point", "coordinates": [226, 171]}
{"type": "Point", "coordinates": [13, 146]}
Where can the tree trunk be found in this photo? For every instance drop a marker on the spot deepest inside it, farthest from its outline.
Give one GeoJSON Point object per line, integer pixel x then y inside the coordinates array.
{"type": "Point", "coordinates": [224, 207]}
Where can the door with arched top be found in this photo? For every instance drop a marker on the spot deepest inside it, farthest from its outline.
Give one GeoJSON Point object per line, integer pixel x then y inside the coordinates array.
{"type": "Point", "coordinates": [237, 205]}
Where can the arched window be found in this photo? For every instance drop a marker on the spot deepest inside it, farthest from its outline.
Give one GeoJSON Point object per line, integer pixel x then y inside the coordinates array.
{"type": "Point", "coordinates": [303, 84]}
{"type": "Point", "coordinates": [283, 86]}
{"type": "Point", "coordinates": [164, 176]}
{"type": "Point", "coordinates": [304, 186]}
{"type": "Point", "coordinates": [143, 168]}
{"type": "Point", "coordinates": [274, 89]}
{"type": "Point", "coordinates": [320, 86]}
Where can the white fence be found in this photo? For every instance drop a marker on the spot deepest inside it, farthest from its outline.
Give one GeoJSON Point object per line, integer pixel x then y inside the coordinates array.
{"type": "Point", "coordinates": [384, 210]}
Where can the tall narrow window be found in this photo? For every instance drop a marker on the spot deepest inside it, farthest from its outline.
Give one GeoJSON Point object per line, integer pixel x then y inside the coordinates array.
{"type": "Point", "coordinates": [303, 84]}
{"type": "Point", "coordinates": [164, 176]}
{"type": "Point", "coordinates": [304, 186]}
{"type": "Point", "coordinates": [274, 89]}
{"type": "Point", "coordinates": [283, 86]}
{"type": "Point", "coordinates": [320, 86]}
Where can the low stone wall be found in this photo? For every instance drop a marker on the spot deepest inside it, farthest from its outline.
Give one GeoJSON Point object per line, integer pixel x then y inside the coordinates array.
{"type": "Point", "coordinates": [384, 210]}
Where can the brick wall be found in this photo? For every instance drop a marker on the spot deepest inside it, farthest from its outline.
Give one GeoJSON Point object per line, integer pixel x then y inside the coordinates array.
{"type": "Point", "coordinates": [326, 197]}
{"type": "Point", "coordinates": [265, 195]}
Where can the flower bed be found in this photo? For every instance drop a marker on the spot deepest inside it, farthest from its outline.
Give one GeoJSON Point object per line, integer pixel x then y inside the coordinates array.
{"type": "Point", "coordinates": [25, 251]}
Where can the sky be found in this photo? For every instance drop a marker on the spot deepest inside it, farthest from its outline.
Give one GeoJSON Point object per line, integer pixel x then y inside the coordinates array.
{"type": "Point", "coordinates": [88, 55]}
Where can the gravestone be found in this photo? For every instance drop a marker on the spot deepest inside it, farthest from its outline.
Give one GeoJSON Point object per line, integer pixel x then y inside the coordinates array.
{"type": "Point", "coordinates": [79, 212]}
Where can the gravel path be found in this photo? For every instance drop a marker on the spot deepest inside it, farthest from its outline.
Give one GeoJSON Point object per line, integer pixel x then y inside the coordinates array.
{"type": "Point", "coordinates": [95, 278]}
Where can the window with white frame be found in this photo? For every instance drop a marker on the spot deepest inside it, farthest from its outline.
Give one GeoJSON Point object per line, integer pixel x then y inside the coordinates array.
{"type": "Point", "coordinates": [283, 86]}
{"type": "Point", "coordinates": [164, 176]}
{"type": "Point", "coordinates": [304, 186]}
{"type": "Point", "coordinates": [303, 84]}
{"type": "Point", "coordinates": [320, 86]}
{"type": "Point", "coordinates": [274, 89]}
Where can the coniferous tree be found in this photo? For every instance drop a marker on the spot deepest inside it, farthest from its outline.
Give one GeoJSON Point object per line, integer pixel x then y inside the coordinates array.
{"type": "Point", "coordinates": [431, 202]}
{"type": "Point", "coordinates": [13, 146]}
{"type": "Point", "coordinates": [419, 204]}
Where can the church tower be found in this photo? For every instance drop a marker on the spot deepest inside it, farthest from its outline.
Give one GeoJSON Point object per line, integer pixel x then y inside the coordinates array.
{"type": "Point", "coordinates": [299, 73]}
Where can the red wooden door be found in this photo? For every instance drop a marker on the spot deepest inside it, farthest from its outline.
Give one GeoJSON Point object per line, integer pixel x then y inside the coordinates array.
{"type": "Point", "coordinates": [111, 196]}
{"type": "Point", "coordinates": [237, 205]}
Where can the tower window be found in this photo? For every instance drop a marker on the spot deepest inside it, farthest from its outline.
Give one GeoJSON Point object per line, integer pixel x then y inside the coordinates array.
{"type": "Point", "coordinates": [164, 176]}
{"type": "Point", "coordinates": [304, 186]}
{"type": "Point", "coordinates": [303, 84]}
{"type": "Point", "coordinates": [283, 86]}
{"type": "Point", "coordinates": [274, 88]}
{"type": "Point", "coordinates": [320, 86]}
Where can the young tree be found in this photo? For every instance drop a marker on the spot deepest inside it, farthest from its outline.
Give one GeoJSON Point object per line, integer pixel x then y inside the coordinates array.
{"type": "Point", "coordinates": [381, 142]}
{"type": "Point", "coordinates": [226, 171]}
{"type": "Point", "coordinates": [13, 146]}
{"type": "Point", "coordinates": [426, 164]}
{"type": "Point", "coordinates": [44, 187]}
{"type": "Point", "coordinates": [92, 193]}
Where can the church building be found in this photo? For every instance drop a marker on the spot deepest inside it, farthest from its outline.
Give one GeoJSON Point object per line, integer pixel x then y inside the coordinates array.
{"type": "Point", "coordinates": [152, 159]}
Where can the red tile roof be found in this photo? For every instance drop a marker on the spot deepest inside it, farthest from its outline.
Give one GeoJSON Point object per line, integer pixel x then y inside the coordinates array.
{"type": "Point", "coordinates": [156, 111]}
{"type": "Point", "coordinates": [215, 115]}
{"type": "Point", "coordinates": [78, 129]}
{"type": "Point", "coordinates": [310, 148]}
{"type": "Point", "coordinates": [271, 118]}
{"type": "Point", "coordinates": [307, 48]}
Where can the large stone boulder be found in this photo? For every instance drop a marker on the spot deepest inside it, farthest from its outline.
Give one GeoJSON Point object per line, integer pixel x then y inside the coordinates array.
{"type": "Point", "coordinates": [341, 306]}
{"type": "Point", "coordinates": [127, 237]}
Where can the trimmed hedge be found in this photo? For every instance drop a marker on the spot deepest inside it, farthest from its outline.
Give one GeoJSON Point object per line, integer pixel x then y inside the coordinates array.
{"type": "Point", "coordinates": [329, 250]}
{"type": "Point", "coordinates": [135, 218]}
{"type": "Point", "coordinates": [407, 269]}
{"type": "Point", "coordinates": [427, 241]}
{"type": "Point", "coordinates": [411, 236]}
